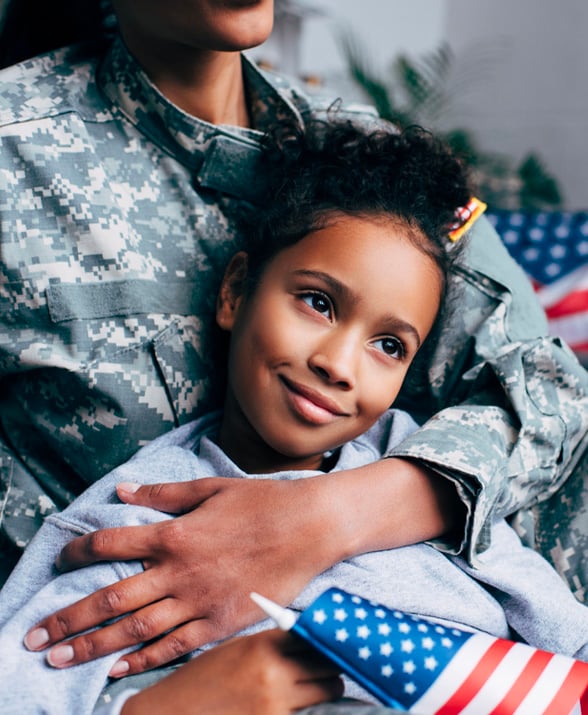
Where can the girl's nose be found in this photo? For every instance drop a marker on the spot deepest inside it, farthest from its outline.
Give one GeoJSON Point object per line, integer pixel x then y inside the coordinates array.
{"type": "Point", "coordinates": [335, 359]}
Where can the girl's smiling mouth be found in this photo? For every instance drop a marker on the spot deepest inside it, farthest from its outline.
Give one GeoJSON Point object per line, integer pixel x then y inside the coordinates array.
{"type": "Point", "coordinates": [311, 405]}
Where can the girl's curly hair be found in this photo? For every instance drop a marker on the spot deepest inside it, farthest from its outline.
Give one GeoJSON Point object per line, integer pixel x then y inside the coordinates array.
{"type": "Point", "coordinates": [338, 167]}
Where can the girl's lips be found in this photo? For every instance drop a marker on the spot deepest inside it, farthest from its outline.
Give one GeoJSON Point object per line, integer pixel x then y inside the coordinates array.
{"type": "Point", "coordinates": [312, 405]}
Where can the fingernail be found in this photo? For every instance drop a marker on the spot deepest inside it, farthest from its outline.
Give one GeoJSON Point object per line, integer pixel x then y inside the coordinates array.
{"type": "Point", "coordinates": [37, 638]}
{"type": "Point", "coordinates": [119, 669]}
{"type": "Point", "coordinates": [61, 655]}
{"type": "Point", "coordinates": [130, 487]}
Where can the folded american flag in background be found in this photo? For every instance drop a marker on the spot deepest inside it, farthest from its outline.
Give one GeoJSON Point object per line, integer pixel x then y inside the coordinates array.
{"type": "Point", "coordinates": [552, 248]}
{"type": "Point", "coordinates": [422, 666]}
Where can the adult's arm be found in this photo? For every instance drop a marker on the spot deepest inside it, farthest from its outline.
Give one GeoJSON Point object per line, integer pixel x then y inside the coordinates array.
{"type": "Point", "coordinates": [510, 402]}
{"type": "Point", "coordinates": [237, 535]}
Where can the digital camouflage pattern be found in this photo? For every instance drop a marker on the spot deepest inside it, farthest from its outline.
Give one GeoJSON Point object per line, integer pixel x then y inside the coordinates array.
{"type": "Point", "coordinates": [118, 214]}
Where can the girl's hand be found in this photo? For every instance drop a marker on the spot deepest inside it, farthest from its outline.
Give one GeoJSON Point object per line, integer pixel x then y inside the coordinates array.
{"type": "Point", "coordinates": [269, 673]}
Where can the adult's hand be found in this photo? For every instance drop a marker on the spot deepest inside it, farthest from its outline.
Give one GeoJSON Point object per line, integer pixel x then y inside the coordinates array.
{"type": "Point", "coordinates": [234, 536]}
{"type": "Point", "coordinates": [238, 535]}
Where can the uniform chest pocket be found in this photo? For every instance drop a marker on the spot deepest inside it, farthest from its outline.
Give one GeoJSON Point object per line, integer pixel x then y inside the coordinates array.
{"type": "Point", "coordinates": [146, 344]}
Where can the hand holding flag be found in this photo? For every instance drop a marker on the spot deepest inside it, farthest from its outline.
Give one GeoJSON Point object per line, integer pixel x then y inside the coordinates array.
{"type": "Point", "coordinates": [423, 667]}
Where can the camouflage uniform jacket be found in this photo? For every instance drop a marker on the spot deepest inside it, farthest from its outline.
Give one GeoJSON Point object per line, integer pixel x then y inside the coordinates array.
{"type": "Point", "coordinates": [117, 215]}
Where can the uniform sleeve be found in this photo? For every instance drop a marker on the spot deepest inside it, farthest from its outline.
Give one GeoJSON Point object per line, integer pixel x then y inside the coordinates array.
{"type": "Point", "coordinates": [509, 414]}
{"type": "Point", "coordinates": [23, 507]}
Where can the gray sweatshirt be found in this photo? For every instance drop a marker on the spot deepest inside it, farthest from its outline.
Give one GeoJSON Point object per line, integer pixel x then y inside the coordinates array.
{"type": "Point", "coordinates": [512, 590]}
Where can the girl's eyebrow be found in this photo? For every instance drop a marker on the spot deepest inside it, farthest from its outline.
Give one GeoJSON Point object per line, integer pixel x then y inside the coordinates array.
{"type": "Point", "coordinates": [339, 289]}
{"type": "Point", "coordinates": [343, 292]}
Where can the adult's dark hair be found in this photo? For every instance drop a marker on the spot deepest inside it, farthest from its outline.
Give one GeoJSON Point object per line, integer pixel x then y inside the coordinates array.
{"type": "Point", "coordinates": [337, 167]}
{"type": "Point", "coordinates": [31, 27]}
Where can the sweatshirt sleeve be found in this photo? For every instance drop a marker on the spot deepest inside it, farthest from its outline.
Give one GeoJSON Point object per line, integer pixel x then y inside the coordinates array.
{"type": "Point", "coordinates": [34, 590]}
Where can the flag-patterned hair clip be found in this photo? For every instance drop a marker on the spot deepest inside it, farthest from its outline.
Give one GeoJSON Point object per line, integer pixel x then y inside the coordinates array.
{"type": "Point", "coordinates": [465, 217]}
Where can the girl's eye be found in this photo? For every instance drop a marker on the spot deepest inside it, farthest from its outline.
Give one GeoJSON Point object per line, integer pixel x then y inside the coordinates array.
{"type": "Point", "coordinates": [318, 302]}
{"type": "Point", "coordinates": [392, 347]}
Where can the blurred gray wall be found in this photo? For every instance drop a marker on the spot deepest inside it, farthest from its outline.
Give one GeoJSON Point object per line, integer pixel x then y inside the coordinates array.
{"type": "Point", "coordinates": [533, 96]}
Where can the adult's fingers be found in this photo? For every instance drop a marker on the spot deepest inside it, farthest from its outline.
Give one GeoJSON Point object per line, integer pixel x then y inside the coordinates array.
{"type": "Point", "coordinates": [171, 646]}
{"type": "Point", "coordinates": [173, 498]}
{"type": "Point", "coordinates": [144, 625]}
{"type": "Point", "coordinates": [123, 597]}
{"type": "Point", "coordinates": [125, 543]}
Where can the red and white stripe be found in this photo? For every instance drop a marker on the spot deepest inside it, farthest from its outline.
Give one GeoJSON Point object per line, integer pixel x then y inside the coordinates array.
{"type": "Point", "coordinates": [565, 302]}
{"type": "Point", "coordinates": [490, 676]}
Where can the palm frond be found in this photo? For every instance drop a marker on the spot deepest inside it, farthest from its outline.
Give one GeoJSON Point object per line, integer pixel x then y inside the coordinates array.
{"type": "Point", "coordinates": [374, 86]}
{"type": "Point", "coordinates": [422, 91]}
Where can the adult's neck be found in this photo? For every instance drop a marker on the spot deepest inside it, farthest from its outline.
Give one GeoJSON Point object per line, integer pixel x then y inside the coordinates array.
{"type": "Point", "coordinates": [206, 84]}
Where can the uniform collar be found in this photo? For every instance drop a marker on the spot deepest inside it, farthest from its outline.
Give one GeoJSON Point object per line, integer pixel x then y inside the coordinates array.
{"type": "Point", "coordinates": [202, 147]}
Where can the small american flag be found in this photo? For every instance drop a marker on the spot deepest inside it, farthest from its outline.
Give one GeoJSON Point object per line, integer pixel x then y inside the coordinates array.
{"type": "Point", "coordinates": [552, 248]}
{"type": "Point", "coordinates": [421, 666]}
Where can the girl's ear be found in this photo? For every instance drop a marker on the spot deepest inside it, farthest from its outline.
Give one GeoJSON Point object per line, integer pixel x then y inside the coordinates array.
{"type": "Point", "coordinates": [231, 291]}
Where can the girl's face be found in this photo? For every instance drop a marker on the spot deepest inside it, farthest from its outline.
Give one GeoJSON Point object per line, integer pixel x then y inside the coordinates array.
{"type": "Point", "coordinates": [207, 25]}
{"type": "Point", "coordinates": [321, 347]}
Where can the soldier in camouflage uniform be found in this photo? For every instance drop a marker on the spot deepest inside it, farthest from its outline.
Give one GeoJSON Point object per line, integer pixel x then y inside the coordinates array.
{"type": "Point", "coordinates": [118, 211]}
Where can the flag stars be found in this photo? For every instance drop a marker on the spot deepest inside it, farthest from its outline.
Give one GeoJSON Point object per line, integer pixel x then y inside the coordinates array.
{"type": "Point", "coordinates": [428, 643]}
{"type": "Point", "coordinates": [340, 614]}
{"type": "Point", "coordinates": [363, 632]}
{"type": "Point", "coordinates": [386, 649]}
{"type": "Point", "coordinates": [380, 613]}
{"type": "Point", "coordinates": [387, 671]}
{"type": "Point", "coordinates": [364, 653]}
{"type": "Point", "coordinates": [409, 667]}
{"type": "Point", "coordinates": [410, 688]}
{"type": "Point", "coordinates": [341, 635]}
{"type": "Point", "coordinates": [404, 628]}
{"type": "Point", "coordinates": [446, 642]}
{"type": "Point", "coordinates": [384, 629]}
{"type": "Point", "coordinates": [423, 628]}
{"type": "Point", "coordinates": [431, 663]}
{"type": "Point", "coordinates": [407, 646]}
{"type": "Point", "coordinates": [319, 616]}
{"type": "Point", "coordinates": [337, 598]}
{"type": "Point", "coordinates": [360, 613]}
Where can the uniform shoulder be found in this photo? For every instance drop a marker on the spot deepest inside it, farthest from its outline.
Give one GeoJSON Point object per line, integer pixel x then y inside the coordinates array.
{"type": "Point", "coordinates": [317, 104]}
{"type": "Point", "coordinates": [47, 85]}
